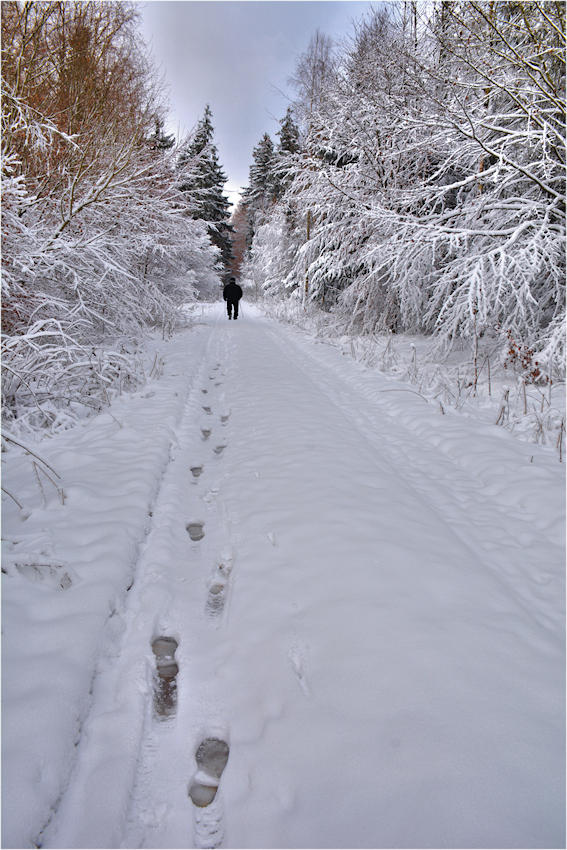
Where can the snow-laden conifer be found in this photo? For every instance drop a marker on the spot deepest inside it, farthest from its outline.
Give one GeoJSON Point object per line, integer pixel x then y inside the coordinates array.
{"type": "Point", "coordinates": [205, 185]}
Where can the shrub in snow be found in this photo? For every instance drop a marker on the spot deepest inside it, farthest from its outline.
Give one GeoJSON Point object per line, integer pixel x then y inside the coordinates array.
{"type": "Point", "coordinates": [99, 243]}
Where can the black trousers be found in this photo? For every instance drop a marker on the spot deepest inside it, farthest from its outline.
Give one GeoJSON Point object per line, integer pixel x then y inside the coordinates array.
{"type": "Point", "coordinates": [229, 306]}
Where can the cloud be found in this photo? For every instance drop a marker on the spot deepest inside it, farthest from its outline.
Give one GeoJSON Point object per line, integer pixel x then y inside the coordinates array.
{"type": "Point", "coordinates": [235, 55]}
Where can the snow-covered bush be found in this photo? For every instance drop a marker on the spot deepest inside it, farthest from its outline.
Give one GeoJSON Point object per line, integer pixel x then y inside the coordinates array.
{"type": "Point", "coordinates": [98, 241]}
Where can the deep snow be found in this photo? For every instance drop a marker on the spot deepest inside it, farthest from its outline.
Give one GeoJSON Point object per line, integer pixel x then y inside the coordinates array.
{"type": "Point", "coordinates": [373, 619]}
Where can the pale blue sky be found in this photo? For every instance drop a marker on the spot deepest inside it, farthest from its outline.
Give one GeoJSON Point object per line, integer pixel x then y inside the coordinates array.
{"type": "Point", "coordinates": [234, 54]}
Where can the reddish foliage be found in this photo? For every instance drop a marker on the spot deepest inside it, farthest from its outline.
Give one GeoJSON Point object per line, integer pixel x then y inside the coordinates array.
{"type": "Point", "coordinates": [520, 358]}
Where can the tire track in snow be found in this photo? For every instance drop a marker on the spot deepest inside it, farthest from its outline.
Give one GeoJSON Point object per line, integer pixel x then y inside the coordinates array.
{"type": "Point", "coordinates": [457, 496]}
{"type": "Point", "coordinates": [400, 577]}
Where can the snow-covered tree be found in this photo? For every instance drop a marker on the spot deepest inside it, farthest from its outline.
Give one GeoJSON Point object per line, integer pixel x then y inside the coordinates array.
{"type": "Point", "coordinates": [207, 183]}
{"type": "Point", "coordinates": [487, 219]}
{"type": "Point", "coordinates": [286, 152]}
{"type": "Point", "coordinates": [161, 141]}
{"type": "Point", "coordinates": [314, 73]}
{"type": "Point", "coordinates": [96, 242]}
{"type": "Point", "coordinates": [262, 191]}
{"type": "Point", "coordinates": [239, 224]}
{"type": "Point", "coordinates": [431, 183]}
{"type": "Point", "coordinates": [288, 134]}
{"type": "Point", "coordinates": [271, 259]}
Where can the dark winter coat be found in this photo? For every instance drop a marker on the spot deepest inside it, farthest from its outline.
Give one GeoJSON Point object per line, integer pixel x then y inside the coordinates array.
{"type": "Point", "coordinates": [232, 292]}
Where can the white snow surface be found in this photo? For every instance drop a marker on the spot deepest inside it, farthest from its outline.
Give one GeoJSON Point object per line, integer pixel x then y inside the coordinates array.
{"type": "Point", "coordinates": [385, 655]}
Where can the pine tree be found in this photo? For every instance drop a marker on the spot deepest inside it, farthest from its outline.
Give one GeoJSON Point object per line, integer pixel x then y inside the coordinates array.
{"type": "Point", "coordinates": [159, 141]}
{"type": "Point", "coordinates": [262, 190]}
{"type": "Point", "coordinates": [207, 183]}
{"type": "Point", "coordinates": [265, 187]}
{"type": "Point", "coordinates": [288, 134]}
{"type": "Point", "coordinates": [288, 147]}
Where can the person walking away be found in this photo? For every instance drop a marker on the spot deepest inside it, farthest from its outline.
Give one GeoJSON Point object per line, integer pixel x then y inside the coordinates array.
{"type": "Point", "coordinates": [232, 293]}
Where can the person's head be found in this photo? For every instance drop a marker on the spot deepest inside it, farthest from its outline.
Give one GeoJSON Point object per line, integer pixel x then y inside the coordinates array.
{"type": "Point", "coordinates": [233, 280]}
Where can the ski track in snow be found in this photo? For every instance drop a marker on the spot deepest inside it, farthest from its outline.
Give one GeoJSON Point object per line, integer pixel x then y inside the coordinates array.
{"type": "Point", "coordinates": [457, 493]}
{"type": "Point", "coordinates": [367, 602]}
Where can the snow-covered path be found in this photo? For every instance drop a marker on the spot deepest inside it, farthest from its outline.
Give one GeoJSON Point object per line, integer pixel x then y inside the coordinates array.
{"type": "Point", "coordinates": [373, 619]}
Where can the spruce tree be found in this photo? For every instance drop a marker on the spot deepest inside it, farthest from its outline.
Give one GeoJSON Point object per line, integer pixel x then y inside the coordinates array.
{"type": "Point", "coordinates": [207, 184]}
{"type": "Point", "coordinates": [289, 145]}
{"type": "Point", "coordinates": [262, 190]}
{"type": "Point", "coordinates": [159, 141]}
{"type": "Point", "coordinates": [288, 134]}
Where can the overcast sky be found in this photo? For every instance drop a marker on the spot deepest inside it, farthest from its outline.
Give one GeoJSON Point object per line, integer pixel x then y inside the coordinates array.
{"type": "Point", "coordinates": [235, 55]}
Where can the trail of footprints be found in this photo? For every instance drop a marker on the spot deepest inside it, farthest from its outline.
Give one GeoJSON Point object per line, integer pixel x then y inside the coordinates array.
{"type": "Point", "coordinates": [212, 753]}
{"type": "Point", "coordinates": [218, 587]}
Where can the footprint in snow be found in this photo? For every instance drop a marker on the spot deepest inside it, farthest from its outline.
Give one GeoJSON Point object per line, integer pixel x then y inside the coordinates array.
{"type": "Point", "coordinates": [165, 689]}
{"type": "Point", "coordinates": [219, 449]}
{"type": "Point", "coordinates": [196, 471]}
{"type": "Point", "coordinates": [216, 599]}
{"type": "Point", "coordinates": [195, 529]}
{"type": "Point", "coordinates": [210, 497]}
{"type": "Point", "coordinates": [207, 409]}
{"type": "Point", "coordinates": [218, 589]}
{"type": "Point", "coordinates": [211, 758]}
{"type": "Point", "coordinates": [206, 432]}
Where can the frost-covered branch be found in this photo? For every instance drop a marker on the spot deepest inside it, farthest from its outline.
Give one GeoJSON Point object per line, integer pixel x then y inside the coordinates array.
{"type": "Point", "coordinates": [429, 191]}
